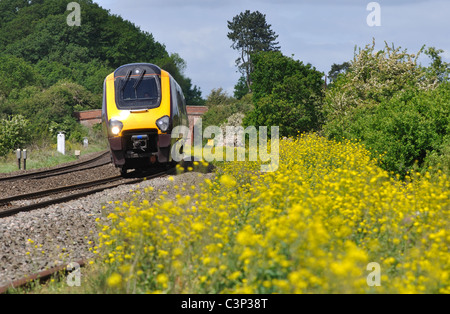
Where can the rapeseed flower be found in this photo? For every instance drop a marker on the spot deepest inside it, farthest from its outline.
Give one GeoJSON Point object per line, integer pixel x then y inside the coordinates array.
{"type": "Point", "coordinates": [312, 226]}
{"type": "Point", "coordinates": [114, 281]}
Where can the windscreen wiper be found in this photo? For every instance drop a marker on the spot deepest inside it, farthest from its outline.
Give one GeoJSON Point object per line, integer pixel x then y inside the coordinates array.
{"type": "Point", "coordinates": [139, 79]}
{"type": "Point", "coordinates": [126, 79]}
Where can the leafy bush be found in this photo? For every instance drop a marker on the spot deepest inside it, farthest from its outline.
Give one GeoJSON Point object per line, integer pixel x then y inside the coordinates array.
{"type": "Point", "coordinates": [221, 106]}
{"type": "Point", "coordinates": [241, 88]}
{"type": "Point", "coordinates": [397, 108]}
{"type": "Point", "coordinates": [438, 161]}
{"type": "Point", "coordinates": [373, 77]}
{"type": "Point", "coordinates": [13, 133]}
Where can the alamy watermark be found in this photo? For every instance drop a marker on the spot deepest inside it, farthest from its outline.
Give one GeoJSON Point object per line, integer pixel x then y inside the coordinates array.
{"type": "Point", "coordinates": [374, 18]}
{"type": "Point", "coordinates": [234, 138]}
{"type": "Point", "coordinates": [374, 278]}
{"type": "Point", "coordinates": [74, 277]}
{"type": "Point", "coordinates": [74, 17]}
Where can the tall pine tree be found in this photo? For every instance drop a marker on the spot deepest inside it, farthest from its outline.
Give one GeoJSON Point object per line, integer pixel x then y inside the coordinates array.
{"type": "Point", "coordinates": [250, 33]}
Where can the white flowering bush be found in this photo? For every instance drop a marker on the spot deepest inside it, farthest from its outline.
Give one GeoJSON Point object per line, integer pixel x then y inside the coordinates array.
{"type": "Point", "coordinates": [396, 107]}
{"type": "Point", "coordinates": [374, 76]}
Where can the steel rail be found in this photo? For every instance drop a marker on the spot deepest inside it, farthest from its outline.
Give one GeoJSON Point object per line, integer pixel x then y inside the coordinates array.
{"type": "Point", "coordinates": [54, 171]}
{"type": "Point", "coordinates": [71, 171]}
{"type": "Point", "coordinates": [47, 274]}
{"type": "Point", "coordinates": [26, 208]}
{"type": "Point", "coordinates": [40, 276]}
{"type": "Point", "coordinates": [58, 190]}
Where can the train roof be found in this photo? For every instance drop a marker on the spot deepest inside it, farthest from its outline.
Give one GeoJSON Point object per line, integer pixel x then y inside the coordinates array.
{"type": "Point", "coordinates": [137, 68]}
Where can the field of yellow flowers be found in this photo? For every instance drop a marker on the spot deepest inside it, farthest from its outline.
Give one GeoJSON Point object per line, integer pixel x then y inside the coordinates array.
{"type": "Point", "coordinates": [313, 226]}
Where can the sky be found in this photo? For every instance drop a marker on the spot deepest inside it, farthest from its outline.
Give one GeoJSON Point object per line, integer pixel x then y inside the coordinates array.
{"type": "Point", "coordinates": [319, 32]}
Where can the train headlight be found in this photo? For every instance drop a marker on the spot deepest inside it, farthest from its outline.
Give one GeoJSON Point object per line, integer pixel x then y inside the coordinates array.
{"type": "Point", "coordinates": [116, 126]}
{"type": "Point", "coordinates": [163, 123]}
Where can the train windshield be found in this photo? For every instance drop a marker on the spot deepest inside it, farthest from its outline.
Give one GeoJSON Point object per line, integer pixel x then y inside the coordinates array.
{"type": "Point", "coordinates": [139, 92]}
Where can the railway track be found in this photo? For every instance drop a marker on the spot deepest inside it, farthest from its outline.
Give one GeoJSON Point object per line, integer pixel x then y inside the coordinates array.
{"type": "Point", "coordinates": [41, 277]}
{"type": "Point", "coordinates": [99, 184]}
{"type": "Point", "coordinates": [7, 208]}
{"type": "Point", "coordinates": [83, 189]}
{"type": "Point", "coordinates": [100, 160]}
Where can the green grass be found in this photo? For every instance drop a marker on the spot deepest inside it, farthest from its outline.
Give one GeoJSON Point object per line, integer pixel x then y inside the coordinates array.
{"type": "Point", "coordinates": [46, 155]}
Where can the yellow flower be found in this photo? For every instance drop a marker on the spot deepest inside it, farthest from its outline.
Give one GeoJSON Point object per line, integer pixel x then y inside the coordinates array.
{"type": "Point", "coordinates": [227, 180]}
{"type": "Point", "coordinates": [177, 252]}
{"type": "Point", "coordinates": [114, 281]}
{"type": "Point", "coordinates": [198, 226]}
{"type": "Point", "coordinates": [313, 226]}
{"type": "Point", "coordinates": [234, 275]}
{"type": "Point", "coordinates": [162, 279]}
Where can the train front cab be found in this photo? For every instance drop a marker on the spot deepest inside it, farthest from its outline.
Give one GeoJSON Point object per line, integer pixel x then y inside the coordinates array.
{"type": "Point", "coordinates": [141, 106]}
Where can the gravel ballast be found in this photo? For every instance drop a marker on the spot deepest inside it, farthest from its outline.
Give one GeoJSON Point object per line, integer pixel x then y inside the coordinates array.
{"type": "Point", "coordinates": [60, 234]}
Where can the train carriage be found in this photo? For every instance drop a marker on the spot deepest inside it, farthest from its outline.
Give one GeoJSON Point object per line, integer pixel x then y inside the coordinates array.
{"type": "Point", "coordinates": [141, 105]}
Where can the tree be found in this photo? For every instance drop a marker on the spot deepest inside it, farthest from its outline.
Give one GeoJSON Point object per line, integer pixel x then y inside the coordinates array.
{"type": "Point", "coordinates": [337, 69]}
{"type": "Point", "coordinates": [241, 88]}
{"type": "Point", "coordinates": [250, 33]}
{"type": "Point", "coordinates": [36, 32]}
{"type": "Point", "coordinates": [51, 108]}
{"type": "Point", "coordinates": [438, 68]}
{"type": "Point", "coordinates": [15, 73]}
{"type": "Point", "coordinates": [286, 93]}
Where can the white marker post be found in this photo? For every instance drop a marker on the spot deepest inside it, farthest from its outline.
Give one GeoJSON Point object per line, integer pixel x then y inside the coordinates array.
{"type": "Point", "coordinates": [62, 143]}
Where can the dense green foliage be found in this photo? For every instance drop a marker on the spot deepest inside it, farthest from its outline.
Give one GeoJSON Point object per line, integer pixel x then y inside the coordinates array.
{"type": "Point", "coordinates": [37, 32]}
{"type": "Point", "coordinates": [51, 110]}
{"type": "Point", "coordinates": [49, 69]}
{"type": "Point", "coordinates": [397, 108]}
{"type": "Point", "coordinates": [15, 73]}
{"type": "Point", "coordinates": [286, 93]}
{"type": "Point", "coordinates": [404, 128]}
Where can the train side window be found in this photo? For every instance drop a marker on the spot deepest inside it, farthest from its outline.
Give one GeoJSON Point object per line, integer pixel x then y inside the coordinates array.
{"type": "Point", "coordinates": [180, 101]}
{"type": "Point", "coordinates": [182, 104]}
{"type": "Point", "coordinates": [174, 97]}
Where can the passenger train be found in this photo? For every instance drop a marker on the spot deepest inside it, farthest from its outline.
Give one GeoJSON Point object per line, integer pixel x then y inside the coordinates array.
{"type": "Point", "coordinates": [141, 105]}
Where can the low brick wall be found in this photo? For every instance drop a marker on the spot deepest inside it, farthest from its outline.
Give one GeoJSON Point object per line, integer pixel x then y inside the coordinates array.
{"type": "Point", "coordinates": [89, 118]}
